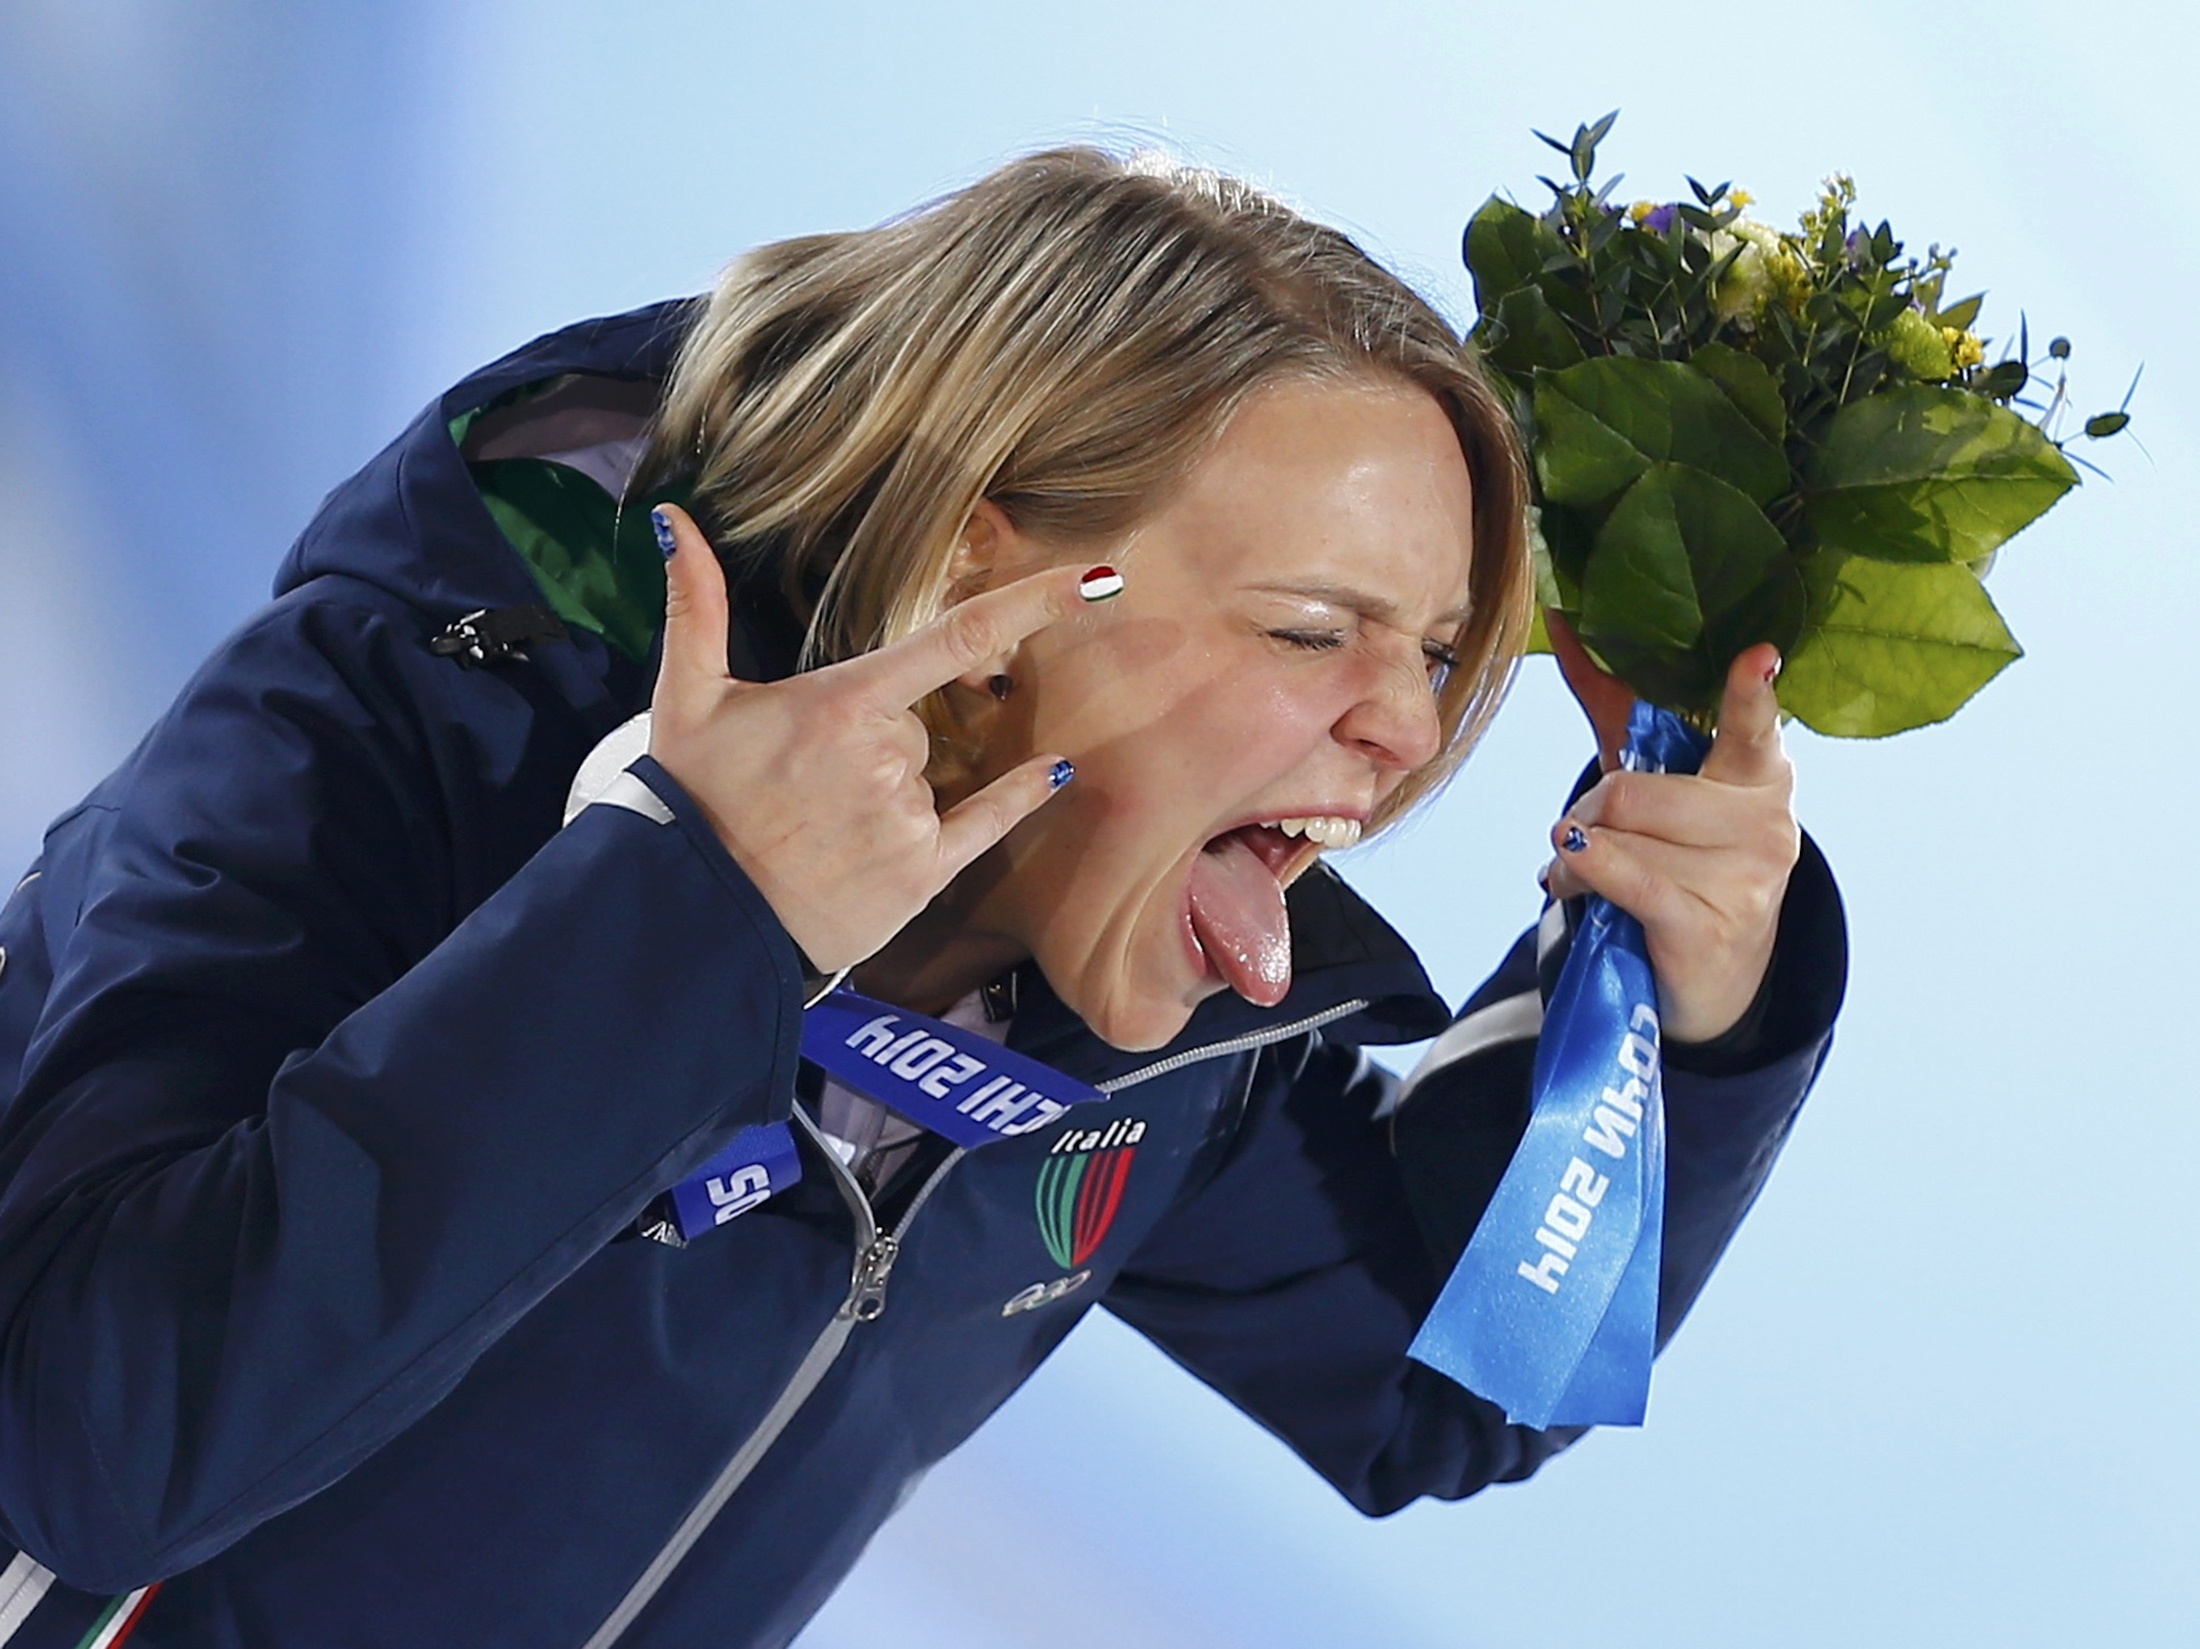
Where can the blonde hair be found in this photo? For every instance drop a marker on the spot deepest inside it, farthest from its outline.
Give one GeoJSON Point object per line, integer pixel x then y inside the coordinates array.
{"type": "Point", "coordinates": [1065, 337]}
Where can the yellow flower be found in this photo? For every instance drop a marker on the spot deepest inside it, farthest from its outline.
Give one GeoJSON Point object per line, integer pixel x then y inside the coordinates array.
{"type": "Point", "coordinates": [1740, 199]}
{"type": "Point", "coordinates": [1790, 281]}
{"type": "Point", "coordinates": [1964, 348]}
{"type": "Point", "coordinates": [1642, 209]}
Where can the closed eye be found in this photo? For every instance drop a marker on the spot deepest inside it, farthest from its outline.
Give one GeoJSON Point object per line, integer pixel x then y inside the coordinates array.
{"type": "Point", "coordinates": [1441, 656]}
{"type": "Point", "coordinates": [1442, 660]}
{"type": "Point", "coordinates": [1314, 641]}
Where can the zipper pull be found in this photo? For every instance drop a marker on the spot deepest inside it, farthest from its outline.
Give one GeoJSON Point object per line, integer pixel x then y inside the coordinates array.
{"type": "Point", "coordinates": [867, 1300]}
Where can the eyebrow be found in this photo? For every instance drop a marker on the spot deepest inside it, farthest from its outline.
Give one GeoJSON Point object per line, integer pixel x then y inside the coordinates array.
{"type": "Point", "coordinates": [1372, 607]}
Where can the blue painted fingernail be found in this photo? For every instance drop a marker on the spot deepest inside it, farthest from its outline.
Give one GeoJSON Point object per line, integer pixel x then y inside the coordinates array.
{"type": "Point", "coordinates": [1576, 839]}
{"type": "Point", "coordinates": [663, 525]}
{"type": "Point", "coordinates": [1061, 773]}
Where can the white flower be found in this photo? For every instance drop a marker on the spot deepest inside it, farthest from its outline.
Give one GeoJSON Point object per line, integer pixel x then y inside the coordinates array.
{"type": "Point", "coordinates": [1744, 289]}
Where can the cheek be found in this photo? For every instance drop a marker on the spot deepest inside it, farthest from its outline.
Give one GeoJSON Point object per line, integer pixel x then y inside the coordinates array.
{"type": "Point", "coordinates": [1207, 744]}
{"type": "Point", "coordinates": [1262, 725]}
{"type": "Point", "coordinates": [1266, 707]}
{"type": "Point", "coordinates": [1174, 732]}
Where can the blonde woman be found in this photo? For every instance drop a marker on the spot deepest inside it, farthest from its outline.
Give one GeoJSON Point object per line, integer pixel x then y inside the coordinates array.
{"type": "Point", "coordinates": [1024, 595]}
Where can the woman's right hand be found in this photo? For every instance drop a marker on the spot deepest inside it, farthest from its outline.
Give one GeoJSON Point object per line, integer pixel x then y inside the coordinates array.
{"type": "Point", "coordinates": [816, 783]}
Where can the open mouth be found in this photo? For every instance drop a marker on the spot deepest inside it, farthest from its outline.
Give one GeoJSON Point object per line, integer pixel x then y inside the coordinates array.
{"type": "Point", "coordinates": [1266, 842]}
{"type": "Point", "coordinates": [1236, 915]}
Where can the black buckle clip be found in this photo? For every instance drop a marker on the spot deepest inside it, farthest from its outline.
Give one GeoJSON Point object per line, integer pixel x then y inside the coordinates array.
{"type": "Point", "coordinates": [495, 636]}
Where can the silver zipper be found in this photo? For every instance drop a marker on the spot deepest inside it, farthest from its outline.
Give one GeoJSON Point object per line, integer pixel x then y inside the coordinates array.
{"type": "Point", "coordinates": [873, 1266]}
{"type": "Point", "coordinates": [876, 1252]}
{"type": "Point", "coordinates": [1235, 1045]}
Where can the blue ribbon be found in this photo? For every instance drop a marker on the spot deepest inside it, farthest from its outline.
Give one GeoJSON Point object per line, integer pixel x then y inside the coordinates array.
{"type": "Point", "coordinates": [955, 1082]}
{"type": "Point", "coordinates": [1552, 1311]}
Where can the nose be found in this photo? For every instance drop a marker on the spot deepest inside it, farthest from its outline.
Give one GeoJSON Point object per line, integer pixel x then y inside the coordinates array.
{"type": "Point", "coordinates": [1394, 724]}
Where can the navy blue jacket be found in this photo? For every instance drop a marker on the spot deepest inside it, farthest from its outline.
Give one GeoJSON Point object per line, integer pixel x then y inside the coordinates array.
{"type": "Point", "coordinates": [336, 1074]}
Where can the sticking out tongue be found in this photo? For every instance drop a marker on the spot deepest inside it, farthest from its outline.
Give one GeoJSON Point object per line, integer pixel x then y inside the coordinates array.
{"type": "Point", "coordinates": [1239, 917]}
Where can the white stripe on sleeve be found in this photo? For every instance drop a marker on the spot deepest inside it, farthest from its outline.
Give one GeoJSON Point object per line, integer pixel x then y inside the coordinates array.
{"type": "Point", "coordinates": [22, 1583]}
{"type": "Point", "coordinates": [1515, 1019]}
{"type": "Point", "coordinates": [629, 792]}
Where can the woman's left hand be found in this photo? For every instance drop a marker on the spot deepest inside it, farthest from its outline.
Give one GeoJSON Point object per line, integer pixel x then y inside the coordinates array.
{"type": "Point", "coordinates": [1702, 861]}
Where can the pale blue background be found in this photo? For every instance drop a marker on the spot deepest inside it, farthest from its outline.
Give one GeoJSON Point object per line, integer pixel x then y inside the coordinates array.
{"type": "Point", "coordinates": [1943, 1389]}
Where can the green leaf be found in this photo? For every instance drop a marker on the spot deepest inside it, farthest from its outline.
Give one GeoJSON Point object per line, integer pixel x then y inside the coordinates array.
{"type": "Point", "coordinates": [1568, 538]}
{"type": "Point", "coordinates": [1747, 384]}
{"type": "Point", "coordinates": [1586, 139]}
{"type": "Point", "coordinates": [1506, 249]}
{"type": "Point", "coordinates": [1685, 574]}
{"type": "Point", "coordinates": [1883, 312]}
{"type": "Point", "coordinates": [1579, 458]}
{"type": "Point", "coordinates": [1600, 424]}
{"type": "Point", "coordinates": [1529, 334]}
{"type": "Point", "coordinates": [1930, 474]}
{"type": "Point", "coordinates": [1896, 647]}
{"type": "Point", "coordinates": [2104, 424]}
{"type": "Point", "coordinates": [1550, 589]}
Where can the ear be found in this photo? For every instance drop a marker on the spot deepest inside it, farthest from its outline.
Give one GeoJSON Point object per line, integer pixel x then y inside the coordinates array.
{"type": "Point", "coordinates": [984, 551]}
{"type": "Point", "coordinates": [988, 552]}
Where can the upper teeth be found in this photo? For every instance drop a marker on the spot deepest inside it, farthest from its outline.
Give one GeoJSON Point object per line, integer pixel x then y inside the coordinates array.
{"type": "Point", "coordinates": [1326, 831]}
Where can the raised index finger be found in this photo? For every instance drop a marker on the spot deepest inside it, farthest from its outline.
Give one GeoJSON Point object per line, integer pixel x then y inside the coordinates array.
{"type": "Point", "coordinates": [1746, 749]}
{"type": "Point", "coordinates": [982, 628]}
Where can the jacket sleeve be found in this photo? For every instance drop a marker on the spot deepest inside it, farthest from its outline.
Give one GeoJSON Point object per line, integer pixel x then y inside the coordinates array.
{"type": "Point", "coordinates": [1295, 1278]}
{"type": "Point", "coordinates": [298, 1134]}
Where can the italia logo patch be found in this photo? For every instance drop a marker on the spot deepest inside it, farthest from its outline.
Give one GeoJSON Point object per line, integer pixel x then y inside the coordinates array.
{"type": "Point", "coordinates": [1081, 1186]}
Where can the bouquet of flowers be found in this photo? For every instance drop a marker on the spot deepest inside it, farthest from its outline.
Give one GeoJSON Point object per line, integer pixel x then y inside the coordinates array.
{"type": "Point", "coordinates": [1745, 434]}
{"type": "Point", "coordinates": [1739, 434]}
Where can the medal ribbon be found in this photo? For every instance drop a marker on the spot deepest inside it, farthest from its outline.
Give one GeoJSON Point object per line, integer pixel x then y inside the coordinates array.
{"type": "Point", "coordinates": [954, 1082]}
{"type": "Point", "coordinates": [1552, 1311]}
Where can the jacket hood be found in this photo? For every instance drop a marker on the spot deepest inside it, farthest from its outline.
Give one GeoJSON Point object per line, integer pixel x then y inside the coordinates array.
{"type": "Point", "coordinates": [412, 522]}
